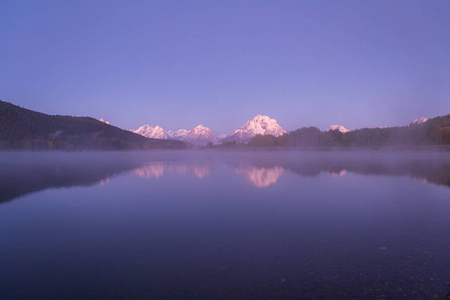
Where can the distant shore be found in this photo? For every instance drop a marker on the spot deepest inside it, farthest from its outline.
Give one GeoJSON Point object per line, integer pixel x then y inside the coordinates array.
{"type": "Point", "coordinates": [398, 148]}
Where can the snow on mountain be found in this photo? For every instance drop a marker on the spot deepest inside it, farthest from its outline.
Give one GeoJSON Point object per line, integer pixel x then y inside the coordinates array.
{"type": "Point", "coordinates": [259, 125]}
{"type": "Point", "coordinates": [152, 132]}
{"type": "Point", "coordinates": [418, 121]}
{"type": "Point", "coordinates": [177, 135]}
{"type": "Point", "coordinates": [158, 133]}
{"type": "Point", "coordinates": [103, 121]}
{"type": "Point", "coordinates": [338, 127]}
{"type": "Point", "coordinates": [200, 135]}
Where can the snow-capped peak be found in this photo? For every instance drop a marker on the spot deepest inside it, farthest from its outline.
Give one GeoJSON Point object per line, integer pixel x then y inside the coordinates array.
{"type": "Point", "coordinates": [152, 132]}
{"type": "Point", "coordinates": [158, 133]}
{"type": "Point", "coordinates": [177, 135]}
{"type": "Point", "coordinates": [200, 128]}
{"type": "Point", "coordinates": [200, 135]}
{"type": "Point", "coordinates": [260, 124]}
{"type": "Point", "coordinates": [338, 127]}
{"type": "Point", "coordinates": [418, 121]}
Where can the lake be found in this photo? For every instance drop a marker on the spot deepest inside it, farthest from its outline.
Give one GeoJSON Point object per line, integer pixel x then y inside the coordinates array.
{"type": "Point", "coordinates": [225, 225]}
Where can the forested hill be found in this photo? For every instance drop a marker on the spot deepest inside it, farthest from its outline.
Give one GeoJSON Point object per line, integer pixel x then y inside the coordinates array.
{"type": "Point", "coordinates": [24, 129]}
{"type": "Point", "coordinates": [434, 132]}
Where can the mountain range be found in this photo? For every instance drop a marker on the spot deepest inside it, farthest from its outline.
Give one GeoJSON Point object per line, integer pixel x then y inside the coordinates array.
{"type": "Point", "coordinates": [202, 135]}
{"type": "Point", "coordinates": [21, 128]}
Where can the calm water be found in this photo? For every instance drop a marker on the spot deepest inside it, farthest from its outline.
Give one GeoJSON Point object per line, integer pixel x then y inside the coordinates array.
{"type": "Point", "coordinates": [222, 225]}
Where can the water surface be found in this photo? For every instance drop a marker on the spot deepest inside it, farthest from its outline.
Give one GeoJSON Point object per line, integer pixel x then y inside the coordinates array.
{"type": "Point", "coordinates": [224, 225]}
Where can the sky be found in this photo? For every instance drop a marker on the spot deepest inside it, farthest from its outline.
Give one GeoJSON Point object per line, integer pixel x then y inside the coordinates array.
{"type": "Point", "coordinates": [178, 64]}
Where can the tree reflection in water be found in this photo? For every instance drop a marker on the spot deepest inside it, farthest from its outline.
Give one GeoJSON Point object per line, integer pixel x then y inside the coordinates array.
{"type": "Point", "coordinates": [22, 173]}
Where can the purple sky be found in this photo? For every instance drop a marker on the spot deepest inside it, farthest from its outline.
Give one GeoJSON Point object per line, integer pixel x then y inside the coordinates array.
{"type": "Point", "coordinates": [178, 64]}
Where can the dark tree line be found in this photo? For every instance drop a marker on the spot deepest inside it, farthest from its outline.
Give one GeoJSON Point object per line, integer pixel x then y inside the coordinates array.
{"type": "Point", "coordinates": [433, 132]}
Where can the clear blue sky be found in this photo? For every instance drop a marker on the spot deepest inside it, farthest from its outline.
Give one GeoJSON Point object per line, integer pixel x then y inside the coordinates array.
{"type": "Point", "coordinates": [218, 63]}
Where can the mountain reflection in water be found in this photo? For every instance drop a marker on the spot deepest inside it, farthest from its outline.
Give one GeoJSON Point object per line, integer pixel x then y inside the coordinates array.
{"type": "Point", "coordinates": [338, 174]}
{"type": "Point", "coordinates": [24, 173]}
{"type": "Point", "coordinates": [157, 169]}
{"type": "Point", "coordinates": [260, 176]}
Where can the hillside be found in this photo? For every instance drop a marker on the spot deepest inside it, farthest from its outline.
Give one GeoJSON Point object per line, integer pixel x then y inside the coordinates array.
{"type": "Point", "coordinates": [24, 129]}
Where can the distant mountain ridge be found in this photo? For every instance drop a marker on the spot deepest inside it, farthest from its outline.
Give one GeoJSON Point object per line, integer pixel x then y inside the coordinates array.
{"type": "Point", "coordinates": [202, 135]}
{"type": "Point", "coordinates": [152, 132]}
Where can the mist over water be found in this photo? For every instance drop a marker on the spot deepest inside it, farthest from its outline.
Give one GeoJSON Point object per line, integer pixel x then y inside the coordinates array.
{"type": "Point", "coordinates": [224, 225]}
